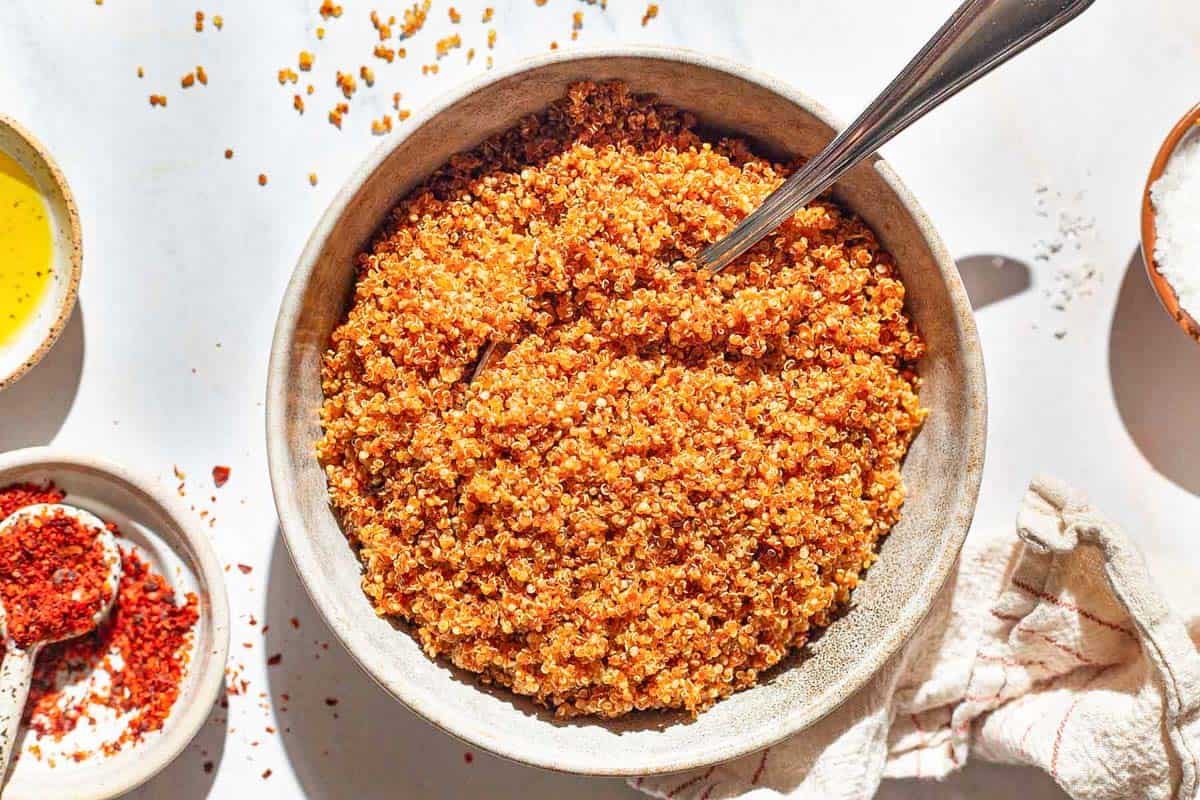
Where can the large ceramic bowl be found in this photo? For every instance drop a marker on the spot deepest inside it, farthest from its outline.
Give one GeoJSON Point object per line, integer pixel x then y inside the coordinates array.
{"type": "Point", "coordinates": [942, 470]}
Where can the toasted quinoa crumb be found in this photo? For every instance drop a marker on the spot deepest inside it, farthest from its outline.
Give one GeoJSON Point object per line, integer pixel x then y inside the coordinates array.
{"type": "Point", "coordinates": [577, 20]}
{"type": "Point", "coordinates": [298, 103]}
{"type": "Point", "coordinates": [367, 74]}
{"type": "Point", "coordinates": [414, 18]}
{"type": "Point", "coordinates": [199, 21]}
{"type": "Point", "coordinates": [382, 125]}
{"type": "Point", "coordinates": [312, 178]}
{"type": "Point", "coordinates": [455, 17]}
{"type": "Point", "coordinates": [287, 75]}
{"type": "Point", "coordinates": [488, 13]}
{"type": "Point", "coordinates": [339, 111]}
{"type": "Point", "coordinates": [470, 54]}
{"type": "Point", "coordinates": [444, 46]}
{"type": "Point", "coordinates": [403, 114]}
{"type": "Point", "coordinates": [320, 33]}
{"type": "Point", "coordinates": [345, 81]}
{"type": "Point", "coordinates": [262, 179]}
{"type": "Point", "coordinates": [666, 479]}
{"type": "Point", "coordinates": [328, 9]}
{"type": "Point", "coordinates": [554, 45]}
{"type": "Point", "coordinates": [202, 75]}
{"type": "Point", "coordinates": [386, 53]}
{"type": "Point", "coordinates": [489, 62]}
{"type": "Point", "coordinates": [491, 38]}
{"type": "Point", "coordinates": [310, 89]}
{"type": "Point", "coordinates": [188, 80]}
{"type": "Point", "coordinates": [141, 73]}
{"type": "Point", "coordinates": [158, 100]}
{"type": "Point", "coordinates": [219, 21]}
{"type": "Point", "coordinates": [651, 13]}
{"type": "Point", "coordinates": [306, 60]}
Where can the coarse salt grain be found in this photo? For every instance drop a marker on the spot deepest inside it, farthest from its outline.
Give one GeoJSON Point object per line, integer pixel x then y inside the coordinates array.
{"type": "Point", "coordinates": [1176, 198]}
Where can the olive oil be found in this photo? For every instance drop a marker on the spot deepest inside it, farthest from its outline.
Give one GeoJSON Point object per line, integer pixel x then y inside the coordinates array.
{"type": "Point", "coordinates": [25, 248]}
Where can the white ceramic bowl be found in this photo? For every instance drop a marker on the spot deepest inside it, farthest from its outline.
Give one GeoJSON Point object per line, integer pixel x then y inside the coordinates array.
{"type": "Point", "coordinates": [942, 471]}
{"type": "Point", "coordinates": [172, 541]}
{"type": "Point", "coordinates": [34, 340]}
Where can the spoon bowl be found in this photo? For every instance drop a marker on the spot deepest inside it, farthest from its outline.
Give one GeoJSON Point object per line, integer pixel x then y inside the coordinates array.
{"type": "Point", "coordinates": [16, 672]}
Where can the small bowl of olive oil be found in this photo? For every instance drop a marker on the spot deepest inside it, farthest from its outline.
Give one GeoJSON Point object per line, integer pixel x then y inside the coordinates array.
{"type": "Point", "coordinates": [41, 252]}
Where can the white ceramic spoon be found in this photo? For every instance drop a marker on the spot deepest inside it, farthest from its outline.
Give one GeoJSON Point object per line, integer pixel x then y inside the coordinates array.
{"type": "Point", "coordinates": [16, 672]}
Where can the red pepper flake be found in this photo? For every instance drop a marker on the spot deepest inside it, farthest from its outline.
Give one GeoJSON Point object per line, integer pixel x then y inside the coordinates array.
{"type": "Point", "coordinates": [295, 622]}
{"type": "Point", "coordinates": [245, 568]}
{"type": "Point", "coordinates": [147, 633]}
{"type": "Point", "coordinates": [275, 660]}
{"type": "Point", "coordinates": [331, 701]}
{"type": "Point", "coordinates": [468, 757]}
{"type": "Point", "coordinates": [53, 576]}
{"type": "Point", "coordinates": [208, 767]}
{"type": "Point", "coordinates": [262, 179]}
{"type": "Point", "coordinates": [270, 729]}
{"type": "Point", "coordinates": [266, 774]}
{"type": "Point", "coordinates": [228, 153]}
{"type": "Point", "coordinates": [220, 475]}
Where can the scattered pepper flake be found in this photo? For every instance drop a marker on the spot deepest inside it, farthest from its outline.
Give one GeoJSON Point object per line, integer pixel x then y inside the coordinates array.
{"type": "Point", "coordinates": [262, 179]}
{"type": "Point", "coordinates": [228, 153]}
{"type": "Point", "coordinates": [468, 757]}
{"type": "Point", "coordinates": [295, 624]}
{"type": "Point", "coordinates": [245, 568]}
{"type": "Point", "coordinates": [275, 660]}
{"type": "Point", "coordinates": [208, 767]}
{"type": "Point", "coordinates": [266, 774]}
{"type": "Point", "coordinates": [331, 701]}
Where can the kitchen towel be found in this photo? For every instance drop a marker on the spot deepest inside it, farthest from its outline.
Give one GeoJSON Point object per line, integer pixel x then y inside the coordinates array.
{"type": "Point", "coordinates": [1047, 647]}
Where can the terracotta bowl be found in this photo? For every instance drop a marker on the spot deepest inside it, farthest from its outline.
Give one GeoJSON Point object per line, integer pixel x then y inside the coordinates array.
{"type": "Point", "coordinates": [32, 342]}
{"type": "Point", "coordinates": [1162, 287]}
{"type": "Point", "coordinates": [942, 470]}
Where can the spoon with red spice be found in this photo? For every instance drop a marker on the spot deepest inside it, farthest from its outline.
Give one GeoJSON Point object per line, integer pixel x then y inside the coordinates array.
{"type": "Point", "coordinates": [59, 573]}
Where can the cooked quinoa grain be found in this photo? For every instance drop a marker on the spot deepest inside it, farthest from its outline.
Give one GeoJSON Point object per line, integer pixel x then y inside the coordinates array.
{"type": "Point", "coordinates": [665, 480]}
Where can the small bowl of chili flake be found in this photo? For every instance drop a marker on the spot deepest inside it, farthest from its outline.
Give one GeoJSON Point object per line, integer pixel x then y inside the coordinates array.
{"type": "Point", "coordinates": [109, 709]}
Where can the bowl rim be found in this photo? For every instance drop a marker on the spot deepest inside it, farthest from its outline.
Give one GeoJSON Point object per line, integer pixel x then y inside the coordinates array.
{"type": "Point", "coordinates": [186, 721]}
{"type": "Point", "coordinates": [69, 299]}
{"type": "Point", "coordinates": [1162, 287]}
{"type": "Point", "coordinates": [478, 735]}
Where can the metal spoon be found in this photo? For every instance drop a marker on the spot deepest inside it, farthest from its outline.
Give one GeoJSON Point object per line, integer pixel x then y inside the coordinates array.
{"type": "Point", "coordinates": [980, 36]}
{"type": "Point", "coordinates": [16, 672]}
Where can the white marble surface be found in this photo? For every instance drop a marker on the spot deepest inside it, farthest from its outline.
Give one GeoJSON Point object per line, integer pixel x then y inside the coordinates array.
{"type": "Point", "coordinates": [186, 258]}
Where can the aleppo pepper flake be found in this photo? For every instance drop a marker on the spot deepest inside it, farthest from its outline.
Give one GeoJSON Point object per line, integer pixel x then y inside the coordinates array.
{"type": "Point", "coordinates": [147, 634]}
{"type": "Point", "coordinates": [52, 577]}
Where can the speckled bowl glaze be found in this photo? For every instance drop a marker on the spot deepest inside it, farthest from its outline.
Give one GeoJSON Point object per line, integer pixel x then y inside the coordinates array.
{"type": "Point", "coordinates": [942, 471]}
{"type": "Point", "coordinates": [32, 342]}
{"type": "Point", "coordinates": [172, 541]}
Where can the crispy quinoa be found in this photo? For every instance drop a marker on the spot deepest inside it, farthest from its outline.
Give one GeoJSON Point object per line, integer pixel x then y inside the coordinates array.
{"type": "Point", "coordinates": [665, 480]}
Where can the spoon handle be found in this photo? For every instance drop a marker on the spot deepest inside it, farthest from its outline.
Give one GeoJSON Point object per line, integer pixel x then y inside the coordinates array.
{"type": "Point", "coordinates": [980, 36]}
{"type": "Point", "coordinates": [16, 673]}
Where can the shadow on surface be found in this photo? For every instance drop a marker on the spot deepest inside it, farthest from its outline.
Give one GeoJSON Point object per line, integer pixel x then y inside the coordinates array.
{"type": "Point", "coordinates": [1155, 373]}
{"type": "Point", "coordinates": [185, 778]}
{"type": "Point", "coordinates": [977, 781]}
{"type": "Point", "coordinates": [367, 745]}
{"type": "Point", "coordinates": [991, 278]}
{"type": "Point", "coordinates": [42, 399]}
